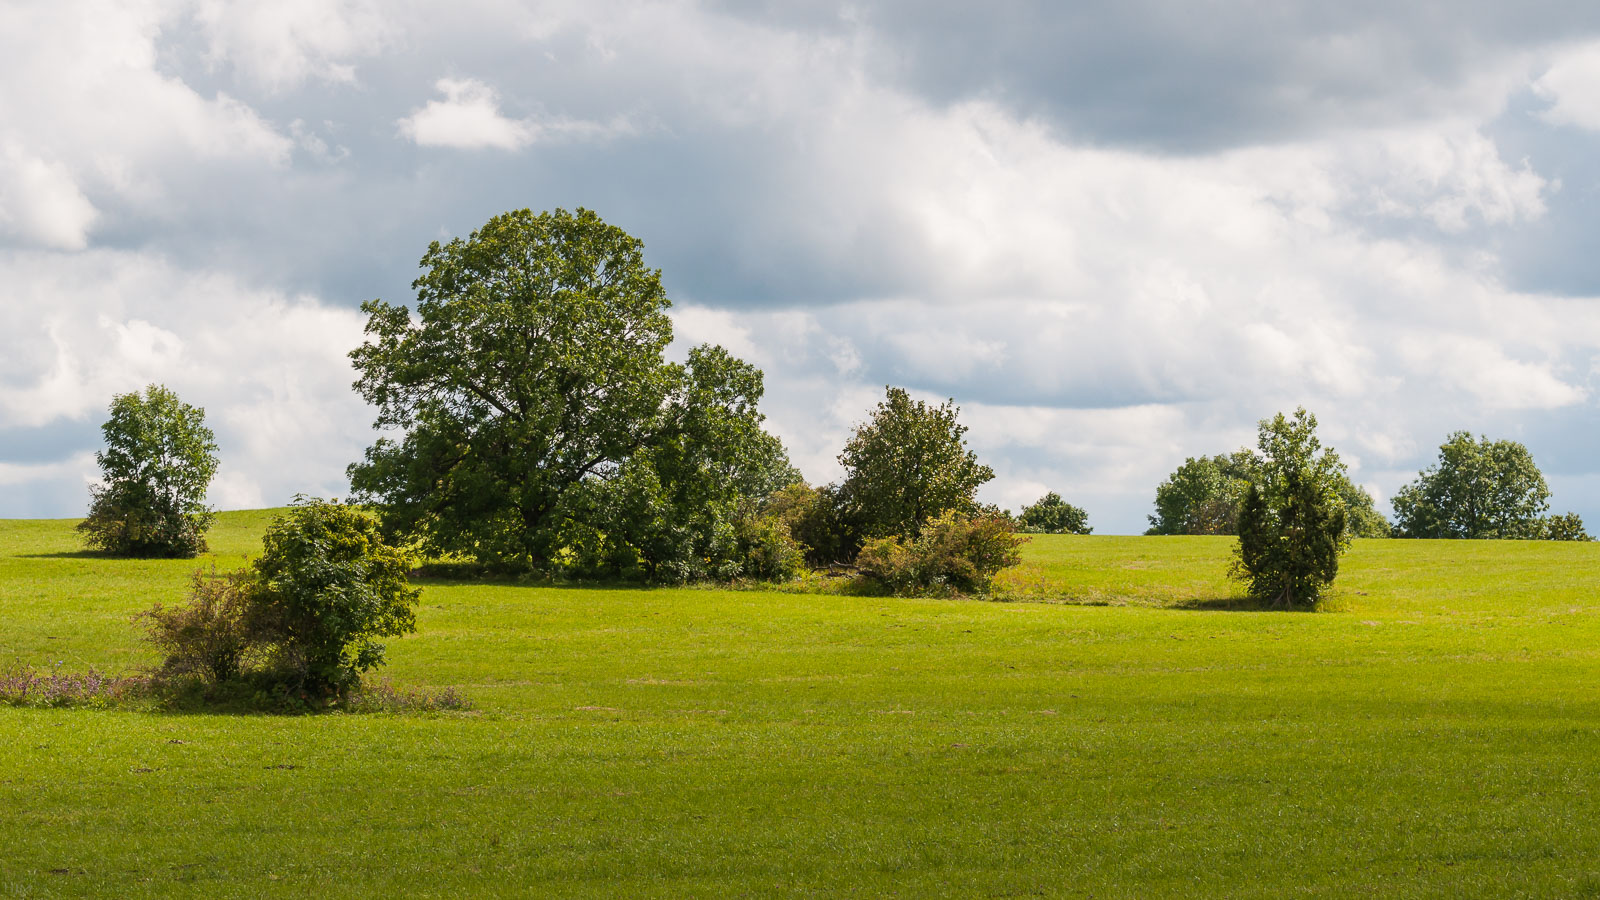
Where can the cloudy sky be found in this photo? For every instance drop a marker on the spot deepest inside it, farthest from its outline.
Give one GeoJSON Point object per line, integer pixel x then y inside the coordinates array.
{"type": "Point", "coordinates": [1117, 233]}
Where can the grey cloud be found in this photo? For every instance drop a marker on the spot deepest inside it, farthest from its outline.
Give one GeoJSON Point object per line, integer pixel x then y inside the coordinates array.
{"type": "Point", "coordinates": [1555, 253]}
{"type": "Point", "coordinates": [48, 443]}
{"type": "Point", "coordinates": [1182, 77]}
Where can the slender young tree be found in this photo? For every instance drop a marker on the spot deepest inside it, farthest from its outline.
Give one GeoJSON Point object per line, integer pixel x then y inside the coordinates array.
{"type": "Point", "coordinates": [906, 465]}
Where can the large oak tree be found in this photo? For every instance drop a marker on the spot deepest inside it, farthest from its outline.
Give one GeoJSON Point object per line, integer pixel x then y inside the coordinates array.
{"type": "Point", "coordinates": [530, 377]}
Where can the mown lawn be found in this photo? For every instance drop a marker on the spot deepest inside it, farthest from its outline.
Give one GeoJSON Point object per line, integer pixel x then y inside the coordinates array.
{"type": "Point", "coordinates": [1435, 733]}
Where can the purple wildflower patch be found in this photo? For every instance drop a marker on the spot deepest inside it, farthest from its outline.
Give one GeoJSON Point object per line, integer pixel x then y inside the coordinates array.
{"type": "Point", "coordinates": [22, 685]}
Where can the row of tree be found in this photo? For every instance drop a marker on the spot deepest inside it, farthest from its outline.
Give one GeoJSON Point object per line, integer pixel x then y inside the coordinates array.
{"type": "Point", "coordinates": [1478, 489]}
{"type": "Point", "coordinates": [535, 425]}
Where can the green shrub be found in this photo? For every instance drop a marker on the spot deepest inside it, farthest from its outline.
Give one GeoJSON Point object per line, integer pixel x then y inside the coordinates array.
{"type": "Point", "coordinates": [326, 585]}
{"type": "Point", "coordinates": [1292, 525]}
{"type": "Point", "coordinates": [816, 521]}
{"type": "Point", "coordinates": [206, 638]}
{"type": "Point", "coordinates": [766, 550]}
{"type": "Point", "coordinates": [127, 520]}
{"type": "Point", "coordinates": [300, 621]}
{"type": "Point", "coordinates": [954, 553]}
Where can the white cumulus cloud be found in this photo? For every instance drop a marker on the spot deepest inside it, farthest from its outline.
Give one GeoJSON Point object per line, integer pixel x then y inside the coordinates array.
{"type": "Point", "coordinates": [1570, 85]}
{"type": "Point", "coordinates": [469, 118]}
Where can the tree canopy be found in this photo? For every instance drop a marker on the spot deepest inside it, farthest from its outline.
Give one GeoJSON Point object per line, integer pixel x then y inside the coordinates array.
{"type": "Point", "coordinates": [1053, 515]}
{"type": "Point", "coordinates": [907, 464]}
{"type": "Point", "coordinates": [678, 508]}
{"type": "Point", "coordinates": [1477, 489]}
{"type": "Point", "coordinates": [1205, 495]}
{"type": "Point", "coordinates": [537, 417]}
{"type": "Point", "coordinates": [158, 462]}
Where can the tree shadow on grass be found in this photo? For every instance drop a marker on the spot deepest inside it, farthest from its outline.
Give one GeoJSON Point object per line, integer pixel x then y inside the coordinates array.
{"type": "Point", "coordinates": [1237, 604]}
{"type": "Point", "coordinates": [433, 576]}
{"type": "Point", "coordinates": [73, 554]}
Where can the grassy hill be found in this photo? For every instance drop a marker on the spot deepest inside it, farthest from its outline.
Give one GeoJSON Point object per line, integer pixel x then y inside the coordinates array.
{"type": "Point", "coordinates": [1436, 732]}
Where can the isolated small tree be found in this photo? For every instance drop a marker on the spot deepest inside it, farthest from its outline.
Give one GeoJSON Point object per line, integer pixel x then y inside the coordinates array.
{"type": "Point", "coordinates": [1291, 521]}
{"type": "Point", "coordinates": [1477, 489]}
{"type": "Point", "coordinates": [159, 459]}
{"type": "Point", "coordinates": [325, 587]}
{"type": "Point", "coordinates": [907, 464]}
{"type": "Point", "coordinates": [1053, 515]}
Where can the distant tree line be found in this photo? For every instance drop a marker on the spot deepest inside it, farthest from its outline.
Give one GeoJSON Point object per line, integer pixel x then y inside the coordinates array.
{"type": "Point", "coordinates": [1478, 489]}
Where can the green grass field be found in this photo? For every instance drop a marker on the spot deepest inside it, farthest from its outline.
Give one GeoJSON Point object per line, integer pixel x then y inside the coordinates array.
{"type": "Point", "coordinates": [1123, 732]}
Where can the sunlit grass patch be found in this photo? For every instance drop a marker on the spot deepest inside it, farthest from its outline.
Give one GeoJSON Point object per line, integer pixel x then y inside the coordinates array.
{"type": "Point", "coordinates": [1431, 732]}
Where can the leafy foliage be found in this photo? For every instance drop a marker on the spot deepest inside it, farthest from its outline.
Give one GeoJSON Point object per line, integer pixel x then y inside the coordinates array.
{"type": "Point", "coordinates": [207, 637]}
{"type": "Point", "coordinates": [159, 459]}
{"type": "Point", "coordinates": [536, 363]}
{"type": "Point", "coordinates": [679, 508]}
{"type": "Point", "coordinates": [815, 518]}
{"type": "Point", "coordinates": [1292, 520]}
{"type": "Point", "coordinates": [1565, 527]}
{"type": "Point", "coordinates": [543, 428]}
{"type": "Point", "coordinates": [300, 619]}
{"type": "Point", "coordinates": [1204, 496]}
{"type": "Point", "coordinates": [1362, 518]}
{"type": "Point", "coordinates": [766, 550]}
{"type": "Point", "coordinates": [907, 464]}
{"type": "Point", "coordinates": [1052, 515]}
{"type": "Point", "coordinates": [954, 552]}
{"type": "Point", "coordinates": [1477, 489]}
{"type": "Point", "coordinates": [324, 588]}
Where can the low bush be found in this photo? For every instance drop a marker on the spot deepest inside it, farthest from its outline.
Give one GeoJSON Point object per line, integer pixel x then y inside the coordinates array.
{"type": "Point", "coordinates": [954, 554]}
{"type": "Point", "coordinates": [205, 638]}
{"type": "Point", "coordinates": [765, 549]}
{"type": "Point", "coordinates": [298, 625]}
{"type": "Point", "coordinates": [817, 521]}
{"type": "Point", "coordinates": [324, 588]}
{"type": "Point", "coordinates": [124, 523]}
